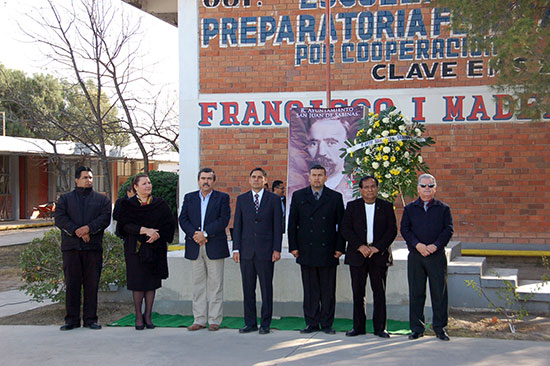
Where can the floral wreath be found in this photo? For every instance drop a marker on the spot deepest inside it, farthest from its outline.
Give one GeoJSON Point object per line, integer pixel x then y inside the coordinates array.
{"type": "Point", "coordinates": [387, 146]}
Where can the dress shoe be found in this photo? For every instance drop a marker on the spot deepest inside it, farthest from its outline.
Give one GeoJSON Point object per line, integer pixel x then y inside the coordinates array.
{"type": "Point", "coordinates": [309, 329]}
{"type": "Point", "coordinates": [150, 326]}
{"type": "Point", "coordinates": [264, 330]}
{"type": "Point", "coordinates": [68, 327]}
{"type": "Point", "coordinates": [328, 330]}
{"type": "Point", "coordinates": [416, 335]}
{"type": "Point", "coordinates": [354, 333]}
{"type": "Point", "coordinates": [248, 329]}
{"type": "Point", "coordinates": [94, 326]}
{"type": "Point", "coordinates": [443, 336]}
{"type": "Point", "coordinates": [140, 327]}
{"type": "Point", "coordinates": [382, 334]}
{"type": "Point", "coordinates": [195, 326]}
{"type": "Point", "coordinates": [213, 327]}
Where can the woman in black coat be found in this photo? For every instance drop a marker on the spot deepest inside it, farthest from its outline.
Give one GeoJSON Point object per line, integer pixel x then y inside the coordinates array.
{"type": "Point", "coordinates": [147, 225]}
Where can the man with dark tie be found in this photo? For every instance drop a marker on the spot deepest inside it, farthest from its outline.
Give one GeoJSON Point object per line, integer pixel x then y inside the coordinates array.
{"type": "Point", "coordinates": [204, 216]}
{"type": "Point", "coordinates": [314, 240]}
{"type": "Point", "coordinates": [369, 226]}
{"type": "Point", "coordinates": [427, 227]}
{"type": "Point", "coordinates": [278, 187]}
{"type": "Point", "coordinates": [257, 237]}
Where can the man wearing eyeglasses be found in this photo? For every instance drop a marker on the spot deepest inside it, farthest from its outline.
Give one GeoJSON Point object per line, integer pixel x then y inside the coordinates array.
{"type": "Point", "coordinates": [427, 227]}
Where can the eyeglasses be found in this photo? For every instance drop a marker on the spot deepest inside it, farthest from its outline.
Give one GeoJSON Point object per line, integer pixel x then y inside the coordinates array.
{"type": "Point", "coordinates": [431, 185]}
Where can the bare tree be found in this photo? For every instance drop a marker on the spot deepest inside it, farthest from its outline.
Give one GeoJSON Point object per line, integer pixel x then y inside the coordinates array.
{"type": "Point", "coordinates": [99, 44]}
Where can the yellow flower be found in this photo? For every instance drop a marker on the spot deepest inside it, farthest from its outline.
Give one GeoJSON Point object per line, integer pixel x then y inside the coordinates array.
{"type": "Point", "coordinates": [408, 170]}
{"type": "Point", "coordinates": [376, 124]}
{"type": "Point", "coordinates": [360, 132]}
{"type": "Point", "coordinates": [351, 154]}
{"type": "Point", "coordinates": [385, 141]}
{"type": "Point", "coordinates": [404, 133]}
{"type": "Point", "coordinates": [379, 148]}
{"type": "Point", "coordinates": [366, 159]}
{"type": "Point", "coordinates": [378, 157]}
{"type": "Point", "coordinates": [385, 157]}
{"type": "Point", "coordinates": [394, 193]}
{"type": "Point", "coordinates": [400, 143]}
{"type": "Point", "coordinates": [393, 131]}
{"type": "Point", "coordinates": [371, 113]}
{"type": "Point", "coordinates": [377, 175]}
{"type": "Point", "coordinates": [376, 115]}
{"type": "Point", "coordinates": [392, 159]}
{"type": "Point", "coordinates": [397, 148]}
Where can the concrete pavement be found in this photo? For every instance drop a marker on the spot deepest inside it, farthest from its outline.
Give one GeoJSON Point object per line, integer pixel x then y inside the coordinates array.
{"type": "Point", "coordinates": [15, 302]}
{"type": "Point", "coordinates": [23, 236]}
{"type": "Point", "coordinates": [46, 345]}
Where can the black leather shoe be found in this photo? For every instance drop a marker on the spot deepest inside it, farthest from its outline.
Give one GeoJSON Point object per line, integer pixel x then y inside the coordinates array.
{"type": "Point", "coordinates": [382, 334]}
{"type": "Point", "coordinates": [248, 329]}
{"type": "Point", "coordinates": [416, 335]}
{"type": "Point", "coordinates": [68, 327]}
{"type": "Point", "coordinates": [354, 333]}
{"type": "Point", "coordinates": [328, 330]}
{"type": "Point", "coordinates": [94, 326]}
{"type": "Point", "coordinates": [309, 329]}
{"type": "Point", "coordinates": [150, 326]}
{"type": "Point", "coordinates": [443, 336]}
{"type": "Point", "coordinates": [264, 330]}
{"type": "Point", "coordinates": [140, 327]}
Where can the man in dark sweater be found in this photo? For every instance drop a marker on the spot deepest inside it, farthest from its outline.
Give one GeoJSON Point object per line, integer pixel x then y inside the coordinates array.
{"type": "Point", "coordinates": [82, 215]}
{"type": "Point", "coordinates": [427, 227]}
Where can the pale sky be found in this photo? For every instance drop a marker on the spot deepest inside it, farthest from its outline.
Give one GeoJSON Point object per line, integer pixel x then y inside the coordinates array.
{"type": "Point", "coordinates": [159, 42]}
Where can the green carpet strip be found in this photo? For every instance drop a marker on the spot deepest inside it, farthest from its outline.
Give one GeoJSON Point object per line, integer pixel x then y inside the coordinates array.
{"type": "Point", "coordinates": [284, 323]}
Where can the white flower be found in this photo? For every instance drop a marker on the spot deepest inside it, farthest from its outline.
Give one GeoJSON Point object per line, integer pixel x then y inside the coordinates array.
{"type": "Point", "coordinates": [408, 120]}
{"type": "Point", "coordinates": [386, 149]}
{"type": "Point", "coordinates": [402, 128]}
{"type": "Point", "coordinates": [367, 151]}
{"type": "Point", "coordinates": [420, 158]}
{"type": "Point", "coordinates": [358, 161]}
{"type": "Point", "coordinates": [406, 154]}
{"type": "Point", "coordinates": [375, 165]}
{"type": "Point", "coordinates": [393, 113]}
{"type": "Point", "coordinates": [388, 175]}
{"type": "Point", "coordinates": [385, 120]}
{"type": "Point", "coordinates": [418, 132]}
{"type": "Point", "coordinates": [385, 133]}
{"type": "Point", "coordinates": [369, 131]}
{"type": "Point", "coordinates": [386, 164]}
{"type": "Point", "coordinates": [385, 195]}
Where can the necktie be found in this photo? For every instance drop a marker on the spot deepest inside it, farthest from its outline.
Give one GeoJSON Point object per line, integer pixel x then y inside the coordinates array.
{"type": "Point", "coordinates": [316, 195]}
{"type": "Point", "coordinates": [426, 206]}
{"type": "Point", "coordinates": [257, 201]}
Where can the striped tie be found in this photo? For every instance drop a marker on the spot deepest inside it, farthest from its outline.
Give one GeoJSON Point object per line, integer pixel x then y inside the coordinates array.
{"type": "Point", "coordinates": [257, 201]}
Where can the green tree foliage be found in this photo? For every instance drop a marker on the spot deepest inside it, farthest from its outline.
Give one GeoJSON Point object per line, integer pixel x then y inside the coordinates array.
{"type": "Point", "coordinates": [42, 106]}
{"type": "Point", "coordinates": [518, 31]}
{"type": "Point", "coordinates": [41, 266]}
{"type": "Point", "coordinates": [165, 186]}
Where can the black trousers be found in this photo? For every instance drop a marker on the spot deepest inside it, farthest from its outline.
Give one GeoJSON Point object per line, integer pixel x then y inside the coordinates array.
{"type": "Point", "coordinates": [378, 276]}
{"type": "Point", "coordinates": [82, 268]}
{"type": "Point", "coordinates": [319, 284]}
{"type": "Point", "coordinates": [263, 270]}
{"type": "Point", "coordinates": [434, 268]}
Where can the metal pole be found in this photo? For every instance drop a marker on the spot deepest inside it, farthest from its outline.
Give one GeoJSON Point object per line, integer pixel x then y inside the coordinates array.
{"type": "Point", "coordinates": [327, 51]}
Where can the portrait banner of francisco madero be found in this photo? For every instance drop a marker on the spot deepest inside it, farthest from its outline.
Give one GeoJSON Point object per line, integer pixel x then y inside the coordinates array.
{"type": "Point", "coordinates": [316, 136]}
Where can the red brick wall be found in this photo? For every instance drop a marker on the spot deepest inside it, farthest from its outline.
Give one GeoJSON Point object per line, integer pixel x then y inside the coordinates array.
{"type": "Point", "coordinates": [495, 176]}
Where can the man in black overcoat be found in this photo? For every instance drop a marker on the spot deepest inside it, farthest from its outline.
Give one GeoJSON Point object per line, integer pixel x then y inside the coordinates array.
{"type": "Point", "coordinates": [369, 226]}
{"type": "Point", "coordinates": [82, 215]}
{"type": "Point", "coordinates": [313, 238]}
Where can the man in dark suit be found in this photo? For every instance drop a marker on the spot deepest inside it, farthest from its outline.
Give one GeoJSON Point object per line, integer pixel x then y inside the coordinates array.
{"type": "Point", "coordinates": [313, 238]}
{"type": "Point", "coordinates": [427, 227]}
{"type": "Point", "coordinates": [278, 187]}
{"type": "Point", "coordinates": [82, 215]}
{"type": "Point", "coordinates": [204, 216]}
{"type": "Point", "coordinates": [369, 226]}
{"type": "Point", "coordinates": [257, 237]}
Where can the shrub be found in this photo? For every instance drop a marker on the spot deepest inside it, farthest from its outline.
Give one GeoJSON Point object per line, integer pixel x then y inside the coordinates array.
{"type": "Point", "coordinates": [41, 265]}
{"type": "Point", "coordinates": [165, 186]}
